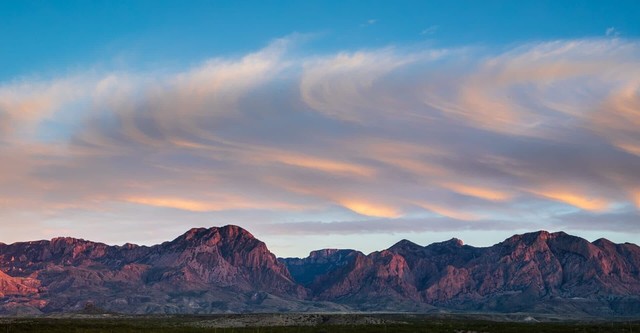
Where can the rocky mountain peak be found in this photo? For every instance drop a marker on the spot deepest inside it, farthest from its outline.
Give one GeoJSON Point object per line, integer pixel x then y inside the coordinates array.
{"type": "Point", "coordinates": [227, 233]}
{"type": "Point", "coordinates": [603, 243]}
{"type": "Point", "coordinates": [452, 244]}
{"type": "Point", "coordinates": [323, 253]}
{"type": "Point", "coordinates": [233, 231]}
{"type": "Point", "coordinates": [66, 240]}
{"type": "Point", "coordinates": [405, 245]}
{"type": "Point", "coordinates": [455, 242]}
{"type": "Point", "coordinates": [194, 233]}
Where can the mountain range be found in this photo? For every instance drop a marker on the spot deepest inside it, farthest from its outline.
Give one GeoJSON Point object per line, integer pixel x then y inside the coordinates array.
{"type": "Point", "coordinates": [226, 269]}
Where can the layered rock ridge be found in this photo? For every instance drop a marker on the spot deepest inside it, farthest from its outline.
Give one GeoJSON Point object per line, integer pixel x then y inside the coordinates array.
{"type": "Point", "coordinates": [226, 269]}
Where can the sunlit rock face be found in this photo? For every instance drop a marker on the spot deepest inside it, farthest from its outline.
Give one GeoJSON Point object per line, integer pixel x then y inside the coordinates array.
{"type": "Point", "coordinates": [226, 269]}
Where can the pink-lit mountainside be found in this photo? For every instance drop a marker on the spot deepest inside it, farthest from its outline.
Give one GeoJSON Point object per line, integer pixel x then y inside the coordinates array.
{"type": "Point", "coordinates": [226, 269]}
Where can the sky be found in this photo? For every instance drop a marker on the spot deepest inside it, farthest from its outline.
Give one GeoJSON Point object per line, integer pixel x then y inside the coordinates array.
{"type": "Point", "coordinates": [319, 124]}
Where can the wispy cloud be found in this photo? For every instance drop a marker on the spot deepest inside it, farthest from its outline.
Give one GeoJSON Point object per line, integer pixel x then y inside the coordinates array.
{"type": "Point", "coordinates": [612, 32]}
{"type": "Point", "coordinates": [430, 30]}
{"type": "Point", "coordinates": [462, 137]}
{"type": "Point", "coordinates": [384, 226]}
{"type": "Point", "coordinates": [369, 22]}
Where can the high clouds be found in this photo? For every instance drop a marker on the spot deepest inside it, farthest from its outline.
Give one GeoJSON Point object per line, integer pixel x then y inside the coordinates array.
{"type": "Point", "coordinates": [540, 135]}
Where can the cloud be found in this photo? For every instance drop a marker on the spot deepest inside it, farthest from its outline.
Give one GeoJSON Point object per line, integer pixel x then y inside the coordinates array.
{"type": "Point", "coordinates": [210, 205]}
{"type": "Point", "coordinates": [479, 192]}
{"type": "Point", "coordinates": [383, 226]}
{"type": "Point", "coordinates": [575, 199]}
{"type": "Point", "coordinates": [26, 104]}
{"type": "Point", "coordinates": [468, 138]}
{"type": "Point", "coordinates": [430, 30]}
{"type": "Point", "coordinates": [369, 22]}
{"type": "Point", "coordinates": [370, 209]}
{"type": "Point", "coordinates": [621, 220]}
{"type": "Point", "coordinates": [612, 32]}
{"type": "Point", "coordinates": [449, 212]}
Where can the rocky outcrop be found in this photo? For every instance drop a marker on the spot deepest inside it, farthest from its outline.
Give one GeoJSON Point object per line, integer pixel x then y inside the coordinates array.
{"type": "Point", "coordinates": [10, 286]}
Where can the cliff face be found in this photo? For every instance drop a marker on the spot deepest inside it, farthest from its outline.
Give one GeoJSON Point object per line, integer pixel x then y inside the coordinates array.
{"type": "Point", "coordinates": [227, 269]}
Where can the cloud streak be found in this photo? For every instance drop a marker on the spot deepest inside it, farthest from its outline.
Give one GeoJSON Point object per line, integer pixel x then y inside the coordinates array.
{"type": "Point", "coordinates": [460, 137]}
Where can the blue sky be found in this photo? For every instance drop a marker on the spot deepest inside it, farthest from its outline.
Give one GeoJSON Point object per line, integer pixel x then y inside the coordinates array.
{"type": "Point", "coordinates": [319, 124]}
{"type": "Point", "coordinates": [53, 36]}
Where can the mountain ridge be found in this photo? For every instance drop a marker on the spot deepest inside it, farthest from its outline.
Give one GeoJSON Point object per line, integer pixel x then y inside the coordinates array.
{"type": "Point", "coordinates": [227, 269]}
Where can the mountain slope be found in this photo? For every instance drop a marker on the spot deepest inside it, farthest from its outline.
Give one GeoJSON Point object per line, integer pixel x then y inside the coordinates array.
{"type": "Point", "coordinates": [226, 269]}
{"type": "Point", "coordinates": [532, 272]}
{"type": "Point", "coordinates": [203, 270]}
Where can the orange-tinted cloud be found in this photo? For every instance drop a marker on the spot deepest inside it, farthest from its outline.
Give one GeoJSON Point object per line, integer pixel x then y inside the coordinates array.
{"type": "Point", "coordinates": [177, 203]}
{"type": "Point", "coordinates": [635, 197]}
{"type": "Point", "coordinates": [212, 205]}
{"type": "Point", "coordinates": [322, 164]}
{"type": "Point", "coordinates": [448, 211]}
{"type": "Point", "coordinates": [575, 199]}
{"type": "Point", "coordinates": [479, 192]}
{"type": "Point", "coordinates": [372, 209]}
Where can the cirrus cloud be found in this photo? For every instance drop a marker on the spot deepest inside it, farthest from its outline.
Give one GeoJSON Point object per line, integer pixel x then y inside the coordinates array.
{"type": "Point", "coordinates": [403, 136]}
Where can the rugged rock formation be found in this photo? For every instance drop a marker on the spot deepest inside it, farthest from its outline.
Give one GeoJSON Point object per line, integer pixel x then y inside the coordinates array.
{"type": "Point", "coordinates": [228, 270]}
{"type": "Point", "coordinates": [531, 272]}
{"type": "Point", "coordinates": [16, 286]}
{"type": "Point", "coordinates": [204, 270]}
